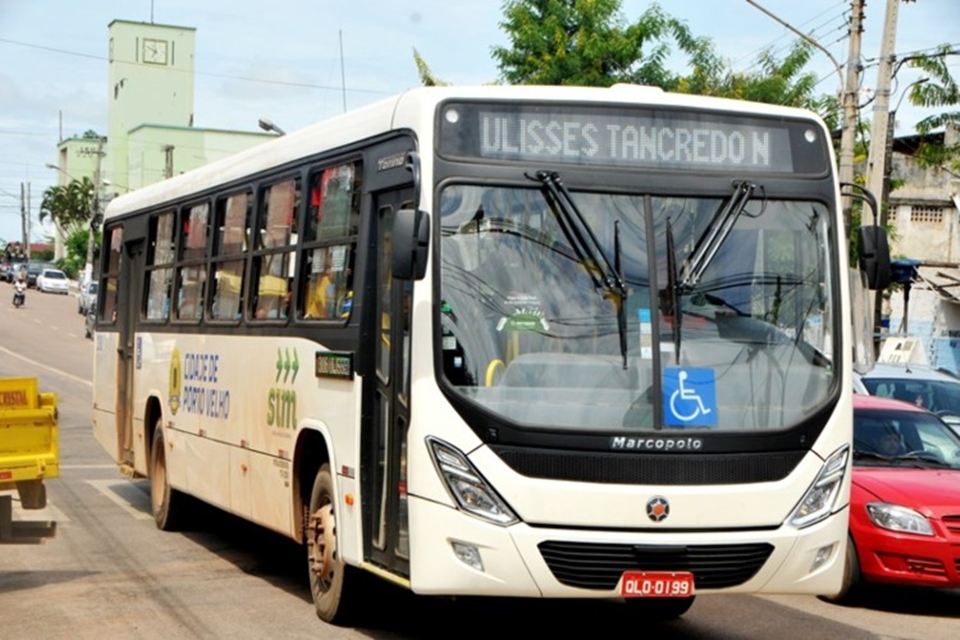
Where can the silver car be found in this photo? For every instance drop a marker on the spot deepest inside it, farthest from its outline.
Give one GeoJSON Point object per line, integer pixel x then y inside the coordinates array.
{"type": "Point", "coordinates": [935, 390]}
{"type": "Point", "coordinates": [87, 298]}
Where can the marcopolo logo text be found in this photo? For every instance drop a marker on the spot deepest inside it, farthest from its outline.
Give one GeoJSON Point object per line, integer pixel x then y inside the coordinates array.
{"type": "Point", "coordinates": [629, 443]}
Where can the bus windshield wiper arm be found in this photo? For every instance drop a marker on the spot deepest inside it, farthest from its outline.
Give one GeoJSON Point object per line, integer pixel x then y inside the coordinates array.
{"type": "Point", "coordinates": [674, 298]}
{"type": "Point", "coordinates": [715, 235]}
{"type": "Point", "coordinates": [605, 274]}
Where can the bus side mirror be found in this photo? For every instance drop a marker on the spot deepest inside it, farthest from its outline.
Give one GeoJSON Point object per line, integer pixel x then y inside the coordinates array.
{"type": "Point", "coordinates": [875, 256]}
{"type": "Point", "coordinates": [411, 237]}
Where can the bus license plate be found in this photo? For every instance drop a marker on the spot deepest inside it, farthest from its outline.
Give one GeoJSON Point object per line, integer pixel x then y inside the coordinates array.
{"type": "Point", "coordinates": [656, 584]}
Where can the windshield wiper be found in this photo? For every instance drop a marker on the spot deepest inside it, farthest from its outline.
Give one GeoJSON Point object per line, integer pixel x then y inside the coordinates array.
{"type": "Point", "coordinates": [715, 235]}
{"type": "Point", "coordinates": [674, 298]}
{"type": "Point", "coordinates": [605, 274]}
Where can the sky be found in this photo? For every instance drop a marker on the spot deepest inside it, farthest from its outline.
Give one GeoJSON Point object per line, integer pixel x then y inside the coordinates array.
{"type": "Point", "coordinates": [299, 61]}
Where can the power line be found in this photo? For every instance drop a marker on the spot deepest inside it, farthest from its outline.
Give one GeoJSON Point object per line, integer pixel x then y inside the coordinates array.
{"type": "Point", "coordinates": [285, 83]}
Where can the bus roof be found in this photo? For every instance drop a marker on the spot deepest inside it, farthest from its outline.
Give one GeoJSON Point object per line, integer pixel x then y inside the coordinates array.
{"type": "Point", "coordinates": [414, 110]}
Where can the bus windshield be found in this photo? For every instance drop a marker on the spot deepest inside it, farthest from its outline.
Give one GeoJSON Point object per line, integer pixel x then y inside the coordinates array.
{"type": "Point", "coordinates": [530, 332]}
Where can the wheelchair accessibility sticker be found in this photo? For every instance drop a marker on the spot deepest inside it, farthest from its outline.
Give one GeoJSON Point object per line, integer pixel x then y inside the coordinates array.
{"type": "Point", "coordinates": [689, 397]}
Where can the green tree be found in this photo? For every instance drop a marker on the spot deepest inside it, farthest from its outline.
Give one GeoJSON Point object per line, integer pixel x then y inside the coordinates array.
{"type": "Point", "coordinates": [588, 42]}
{"type": "Point", "coordinates": [940, 91]}
{"type": "Point", "coordinates": [69, 205]}
{"type": "Point", "coordinates": [426, 75]}
{"type": "Point", "coordinates": [772, 80]}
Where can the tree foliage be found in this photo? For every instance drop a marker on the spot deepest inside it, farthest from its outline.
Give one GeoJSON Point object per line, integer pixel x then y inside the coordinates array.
{"type": "Point", "coordinates": [426, 75]}
{"type": "Point", "coordinates": [771, 80]}
{"type": "Point", "coordinates": [69, 205]}
{"type": "Point", "coordinates": [588, 42]}
{"type": "Point", "coordinates": [939, 91]}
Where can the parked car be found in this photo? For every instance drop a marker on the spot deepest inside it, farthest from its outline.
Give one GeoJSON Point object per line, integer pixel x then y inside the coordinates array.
{"type": "Point", "coordinates": [90, 322]}
{"type": "Point", "coordinates": [936, 390]}
{"type": "Point", "coordinates": [34, 269]}
{"type": "Point", "coordinates": [87, 298]}
{"type": "Point", "coordinates": [904, 501]}
{"type": "Point", "coordinates": [53, 281]}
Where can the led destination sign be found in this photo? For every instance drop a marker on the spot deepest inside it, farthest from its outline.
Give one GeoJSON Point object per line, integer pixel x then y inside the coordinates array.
{"type": "Point", "coordinates": [633, 138]}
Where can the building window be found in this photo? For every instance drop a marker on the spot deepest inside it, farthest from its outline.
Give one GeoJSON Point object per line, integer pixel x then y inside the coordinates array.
{"type": "Point", "coordinates": [926, 214]}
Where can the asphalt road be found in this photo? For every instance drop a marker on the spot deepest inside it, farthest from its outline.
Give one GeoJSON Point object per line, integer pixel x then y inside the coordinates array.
{"type": "Point", "coordinates": [109, 573]}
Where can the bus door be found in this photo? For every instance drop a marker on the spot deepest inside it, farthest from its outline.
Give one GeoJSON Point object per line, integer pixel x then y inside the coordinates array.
{"type": "Point", "coordinates": [385, 442]}
{"type": "Point", "coordinates": [127, 309]}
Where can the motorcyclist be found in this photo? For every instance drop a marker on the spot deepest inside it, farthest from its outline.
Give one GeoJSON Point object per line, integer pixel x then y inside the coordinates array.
{"type": "Point", "coordinates": [19, 291]}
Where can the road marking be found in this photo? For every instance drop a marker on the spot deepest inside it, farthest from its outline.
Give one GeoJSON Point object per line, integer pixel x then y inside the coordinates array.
{"type": "Point", "coordinates": [124, 495]}
{"type": "Point", "coordinates": [89, 383]}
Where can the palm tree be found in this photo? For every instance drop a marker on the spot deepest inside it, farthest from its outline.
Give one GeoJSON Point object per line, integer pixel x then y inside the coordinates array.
{"type": "Point", "coordinates": [70, 206]}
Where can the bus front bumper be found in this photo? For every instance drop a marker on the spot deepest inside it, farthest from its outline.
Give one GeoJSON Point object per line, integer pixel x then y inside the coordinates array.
{"type": "Point", "coordinates": [510, 561]}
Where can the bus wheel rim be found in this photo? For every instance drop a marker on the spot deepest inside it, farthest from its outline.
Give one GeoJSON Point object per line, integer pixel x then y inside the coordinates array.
{"type": "Point", "coordinates": [323, 526]}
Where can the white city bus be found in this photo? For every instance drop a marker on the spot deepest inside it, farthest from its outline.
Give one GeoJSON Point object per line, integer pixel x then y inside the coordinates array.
{"type": "Point", "coordinates": [544, 342]}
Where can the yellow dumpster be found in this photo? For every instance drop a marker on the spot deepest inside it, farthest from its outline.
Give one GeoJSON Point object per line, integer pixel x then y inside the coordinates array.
{"type": "Point", "coordinates": [29, 454]}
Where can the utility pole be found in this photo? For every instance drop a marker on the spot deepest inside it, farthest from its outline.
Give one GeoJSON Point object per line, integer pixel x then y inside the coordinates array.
{"type": "Point", "coordinates": [24, 220]}
{"type": "Point", "coordinates": [848, 132]}
{"type": "Point", "coordinates": [848, 96]}
{"type": "Point", "coordinates": [881, 108]}
{"type": "Point", "coordinates": [94, 214]}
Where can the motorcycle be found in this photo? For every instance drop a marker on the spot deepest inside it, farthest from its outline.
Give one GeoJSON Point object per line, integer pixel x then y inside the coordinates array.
{"type": "Point", "coordinates": [19, 295]}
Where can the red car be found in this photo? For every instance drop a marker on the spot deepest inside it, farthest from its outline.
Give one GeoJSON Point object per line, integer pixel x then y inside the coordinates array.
{"type": "Point", "coordinates": [905, 499]}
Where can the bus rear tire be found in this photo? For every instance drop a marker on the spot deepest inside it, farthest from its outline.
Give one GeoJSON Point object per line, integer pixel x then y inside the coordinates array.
{"type": "Point", "coordinates": [167, 503]}
{"type": "Point", "coordinates": [333, 584]}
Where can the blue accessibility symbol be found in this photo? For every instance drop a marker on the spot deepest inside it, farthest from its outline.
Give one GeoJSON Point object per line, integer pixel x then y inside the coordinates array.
{"type": "Point", "coordinates": [689, 397]}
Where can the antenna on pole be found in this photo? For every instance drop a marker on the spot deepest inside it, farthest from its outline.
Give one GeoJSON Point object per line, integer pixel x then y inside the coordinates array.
{"type": "Point", "coordinates": [343, 78]}
{"type": "Point", "coordinates": [151, 11]}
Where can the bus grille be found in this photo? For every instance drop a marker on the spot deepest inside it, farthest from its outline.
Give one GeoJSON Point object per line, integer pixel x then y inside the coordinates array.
{"type": "Point", "coordinates": [599, 566]}
{"type": "Point", "coordinates": [660, 469]}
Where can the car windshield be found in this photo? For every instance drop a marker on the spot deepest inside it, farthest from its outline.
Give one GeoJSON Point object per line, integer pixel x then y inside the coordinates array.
{"type": "Point", "coordinates": [92, 289]}
{"type": "Point", "coordinates": [54, 275]}
{"type": "Point", "coordinates": [941, 397]}
{"type": "Point", "coordinates": [911, 438]}
{"type": "Point", "coordinates": [536, 327]}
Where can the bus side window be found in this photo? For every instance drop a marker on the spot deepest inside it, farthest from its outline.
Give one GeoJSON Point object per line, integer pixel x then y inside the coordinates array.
{"type": "Point", "coordinates": [333, 221]}
{"type": "Point", "coordinates": [275, 264]}
{"type": "Point", "coordinates": [160, 261]}
{"type": "Point", "coordinates": [232, 229]}
{"type": "Point", "coordinates": [108, 312]}
{"type": "Point", "coordinates": [192, 276]}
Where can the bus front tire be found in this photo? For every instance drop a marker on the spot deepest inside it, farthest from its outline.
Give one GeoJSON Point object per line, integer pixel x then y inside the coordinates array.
{"type": "Point", "coordinates": [661, 608]}
{"type": "Point", "coordinates": [332, 583]}
{"type": "Point", "coordinates": [852, 588]}
{"type": "Point", "coordinates": [168, 504]}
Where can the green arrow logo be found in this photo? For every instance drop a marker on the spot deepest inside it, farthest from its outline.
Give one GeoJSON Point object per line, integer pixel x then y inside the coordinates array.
{"type": "Point", "coordinates": [295, 366]}
{"type": "Point", "coordinates": [279, 364]}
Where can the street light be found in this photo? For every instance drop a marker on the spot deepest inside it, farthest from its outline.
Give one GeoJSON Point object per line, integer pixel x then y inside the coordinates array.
{"type": "Point", "coordinates": [267, 125]}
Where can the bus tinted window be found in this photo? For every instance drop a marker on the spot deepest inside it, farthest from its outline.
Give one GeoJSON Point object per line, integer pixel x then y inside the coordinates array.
{"type": "Point", "coordinates": [275, 262]}
{"type": "Point", "coordinates": [232, 227]}
{"type": "Point", "coordinates": [333, 217]}
{"type": "Point", "coordinates": [160, 265]}
{"type": "Point", "coordinates": [191, 275]}
{"type": "Point", "coordinates": [114, 242]}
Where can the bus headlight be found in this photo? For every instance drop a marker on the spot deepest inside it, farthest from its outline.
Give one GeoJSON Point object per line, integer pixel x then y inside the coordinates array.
{"type": "Point", "coordinates": [818, 502]}
{"type": "Point", "coordinates": [467, 487]}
